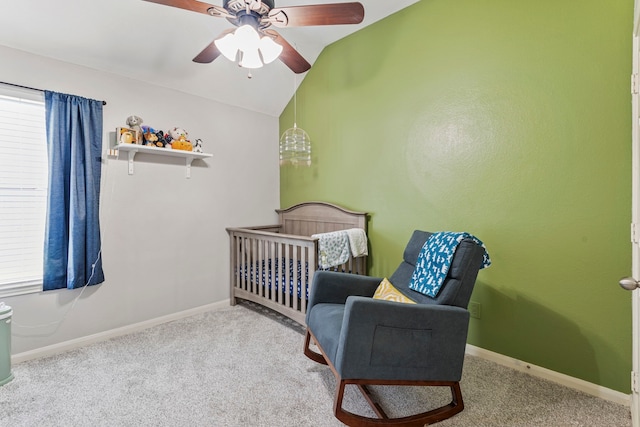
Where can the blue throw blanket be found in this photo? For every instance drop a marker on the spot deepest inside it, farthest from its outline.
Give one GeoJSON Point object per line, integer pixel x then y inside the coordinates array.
{"type": "Point", "coordinates": [435, 258]}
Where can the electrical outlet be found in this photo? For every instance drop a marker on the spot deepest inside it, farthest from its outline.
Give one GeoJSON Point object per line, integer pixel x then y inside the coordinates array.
{"type": "Point", "coordinates": [474, 309]}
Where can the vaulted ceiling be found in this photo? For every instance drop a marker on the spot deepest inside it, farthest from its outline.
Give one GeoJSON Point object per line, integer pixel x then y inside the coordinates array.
{"type": "Point", "coordinates": [156, 44]}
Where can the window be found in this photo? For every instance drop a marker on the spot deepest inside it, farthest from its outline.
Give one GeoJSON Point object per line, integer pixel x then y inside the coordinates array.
{"type": "Point", "coordinates": [23, 190]}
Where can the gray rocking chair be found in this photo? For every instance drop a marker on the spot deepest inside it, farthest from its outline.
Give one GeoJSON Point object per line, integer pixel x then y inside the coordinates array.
{"type": "Point", "coordinates": [368, 341]}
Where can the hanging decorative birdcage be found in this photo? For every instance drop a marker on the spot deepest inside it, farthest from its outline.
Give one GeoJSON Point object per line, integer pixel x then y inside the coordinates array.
{"type": "Point", "coordinates": [295, 147]}
{"type": "Point", "coordinates": [295, 144]}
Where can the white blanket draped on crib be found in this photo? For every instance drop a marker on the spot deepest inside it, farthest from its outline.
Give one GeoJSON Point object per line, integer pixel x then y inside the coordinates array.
{"type": "Point", "coordinates": [336, 247]}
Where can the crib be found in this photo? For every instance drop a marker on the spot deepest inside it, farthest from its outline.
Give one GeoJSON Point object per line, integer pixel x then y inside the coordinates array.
{"type": "Point", "coordinates": [273, 265]}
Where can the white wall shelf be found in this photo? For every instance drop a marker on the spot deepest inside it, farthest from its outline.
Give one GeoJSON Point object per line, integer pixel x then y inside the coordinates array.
{"type": "Point", "coordinates": [133, 149]}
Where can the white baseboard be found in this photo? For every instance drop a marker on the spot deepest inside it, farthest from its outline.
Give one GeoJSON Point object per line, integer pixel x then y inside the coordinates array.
{"type": "Point", "coordinates": [556, 377]}
{"type": "Point", "coordinates": [101, 336]}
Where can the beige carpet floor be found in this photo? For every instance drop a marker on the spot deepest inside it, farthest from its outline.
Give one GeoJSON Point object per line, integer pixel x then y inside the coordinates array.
{"type": "Point", "coordinates": [243, 366]}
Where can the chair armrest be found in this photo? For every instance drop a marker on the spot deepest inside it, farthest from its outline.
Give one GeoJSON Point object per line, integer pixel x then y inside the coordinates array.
{"type": "Point", "coordinates": [396, 341]}
{"type": "Point", "coordinates": [334, 287]}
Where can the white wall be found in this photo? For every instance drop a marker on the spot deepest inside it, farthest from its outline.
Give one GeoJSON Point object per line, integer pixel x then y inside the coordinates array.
{"type": "Point", "coordinates": [165, 248]}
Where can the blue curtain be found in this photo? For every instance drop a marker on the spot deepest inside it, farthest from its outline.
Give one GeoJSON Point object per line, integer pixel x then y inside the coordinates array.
{"type": "Point", "coordinates": [72, 253]}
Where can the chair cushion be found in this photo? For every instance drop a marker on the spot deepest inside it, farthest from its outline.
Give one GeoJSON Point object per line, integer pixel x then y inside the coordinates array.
{"type": "Point", "coordinates": [386, 291]}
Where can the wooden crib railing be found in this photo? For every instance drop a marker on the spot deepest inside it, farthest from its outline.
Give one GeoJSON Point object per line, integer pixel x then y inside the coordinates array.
{"type": "Point", "coordinates": [266, 251]}
{"type": "Point", "coordinates": [254, 256]}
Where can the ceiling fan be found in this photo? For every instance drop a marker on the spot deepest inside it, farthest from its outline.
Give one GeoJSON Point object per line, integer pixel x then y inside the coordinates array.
{"type": "Point", "coordinates": [254, 43]}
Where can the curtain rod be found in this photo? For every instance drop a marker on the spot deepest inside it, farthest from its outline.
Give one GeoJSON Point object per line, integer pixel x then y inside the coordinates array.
{"type": "Point", "coordinates": [33, 88]}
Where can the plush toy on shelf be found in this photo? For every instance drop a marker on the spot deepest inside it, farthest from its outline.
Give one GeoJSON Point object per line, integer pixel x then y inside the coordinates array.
{"type": "Point", "coordinates": [180, 141]}
{"type": "Point", "coordinates": [135, 122]}
{"type": "Point", "coordinates": [197, 146]}
{"type": "Point", "coordinates": [164, 138]}
{"type": "Point", "coordinates": [150, 137]}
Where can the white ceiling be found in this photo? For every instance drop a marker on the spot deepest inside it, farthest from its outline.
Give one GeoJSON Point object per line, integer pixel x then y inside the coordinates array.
{"type": "Point", "coordinates": [156, 44]}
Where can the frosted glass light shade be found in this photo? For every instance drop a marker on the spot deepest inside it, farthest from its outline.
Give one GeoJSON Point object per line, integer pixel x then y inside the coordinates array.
{"type": "Point", "coordinates": [269, 49]}
{"type": "Point", "coordinates": [295, 147]}
{"type": "Point", "coordinates": [248, 38]}
{"type": "Point", "coordinates": [228, 46]}
{"type": "Point", "coordinates": [250, 59]}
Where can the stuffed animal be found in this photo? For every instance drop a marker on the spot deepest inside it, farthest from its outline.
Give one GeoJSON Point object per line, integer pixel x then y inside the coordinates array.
{"type": "Point", "coordinates": [163, 138]}
{"type": "Point", "coordinates": [180, 141]}
{"type": "Point", "coordinates": [135, 122]}
{"type": "Point", "coordinates": [151, 139]}
{"type": "Point", "coordinates": [182, 144]}
{"type": "Point", "coordinates": [176, 133]}
{"type": "Point", "coordinates": [197, 146]}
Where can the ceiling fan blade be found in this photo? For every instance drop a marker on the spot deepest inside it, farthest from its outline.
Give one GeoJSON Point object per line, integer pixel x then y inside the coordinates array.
{"type": "Point", "coordinates": [195, 6]}
{"type": "Point", "coordinates": [319, 14]}
{"type": "Point", "coordinates": [289, 56]}
{"type": "Point", "coordinates": [208, 54]}
{"type": "Point", "coordinates": [211, 52]}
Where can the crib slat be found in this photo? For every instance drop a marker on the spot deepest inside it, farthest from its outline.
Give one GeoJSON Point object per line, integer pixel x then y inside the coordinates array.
{"type": "Point", "coordinates": [263, 284]}
{"type": "Point", "coordinates": [232, 265]}
{"type": "Point", "coordinates": [255, 263]}
{"type": "Point", "coordinates": [302, 296]}
{"type": "Point", "coordinates": [294, 281]}
{"type": "Point", "coordinates": [287, 275]}
{"type": "Point", "coordinates": [246, 264]}
{"type": "Point", "coordinates": [277, 282]}
{"type": "Point", "coordinates": [238, 262]}
{"type": "Point", "coordinates": [269, 286]}
{"type": "Point", "coordinates": [258, 262]}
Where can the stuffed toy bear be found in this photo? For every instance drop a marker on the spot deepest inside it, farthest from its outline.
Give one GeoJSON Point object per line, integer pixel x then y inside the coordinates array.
{"type": "Point", "coordinates": [135, 122]}
{"type": "Point", "coordinates": [180, 141]}
{"type": "Point", "coordinates": [176, 133]}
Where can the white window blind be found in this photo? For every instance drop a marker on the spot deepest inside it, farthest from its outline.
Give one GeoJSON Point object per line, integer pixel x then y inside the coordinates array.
{"type": "Point", "coordinates": [23, 190]}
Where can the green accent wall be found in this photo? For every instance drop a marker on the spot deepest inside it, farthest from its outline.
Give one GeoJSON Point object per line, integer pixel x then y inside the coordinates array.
{"type": "Point", "coordinates": [511, 120]}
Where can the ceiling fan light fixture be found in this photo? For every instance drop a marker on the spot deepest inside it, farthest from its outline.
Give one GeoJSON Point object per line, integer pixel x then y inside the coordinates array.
{"type": "Point", "coordinates": [228, 46]}
{"type": "Point", "coordinates": [256, 50]}
{"type": "Point", "coordinates": [250, 59]}
{"type": "Point", "coordinates": [269, 49]}
{"type": "Point", "coordinates": [247, 38]}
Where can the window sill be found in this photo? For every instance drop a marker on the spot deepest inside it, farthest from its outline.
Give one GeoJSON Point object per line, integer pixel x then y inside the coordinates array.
{"type": "Point", "coordinates": [20, 288]}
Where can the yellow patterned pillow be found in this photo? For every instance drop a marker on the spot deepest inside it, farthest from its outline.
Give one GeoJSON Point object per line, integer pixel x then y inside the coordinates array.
{"type": "Point", "coordinates": [386, 291]}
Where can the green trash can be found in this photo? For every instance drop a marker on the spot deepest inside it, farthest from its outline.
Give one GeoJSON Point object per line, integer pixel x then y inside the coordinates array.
{"type": "Point", "coordinates": [5, 344]}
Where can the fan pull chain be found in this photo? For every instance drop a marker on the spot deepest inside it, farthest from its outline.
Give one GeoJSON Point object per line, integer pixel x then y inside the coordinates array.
{"type": "Point", "coordinates": [295, 97]}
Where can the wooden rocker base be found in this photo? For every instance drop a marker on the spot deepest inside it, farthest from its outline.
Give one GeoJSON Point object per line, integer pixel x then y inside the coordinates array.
{"type": "Point", "coordinates": [316, 357]}
{"type": "Point", "coordinates": [354, 420]}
